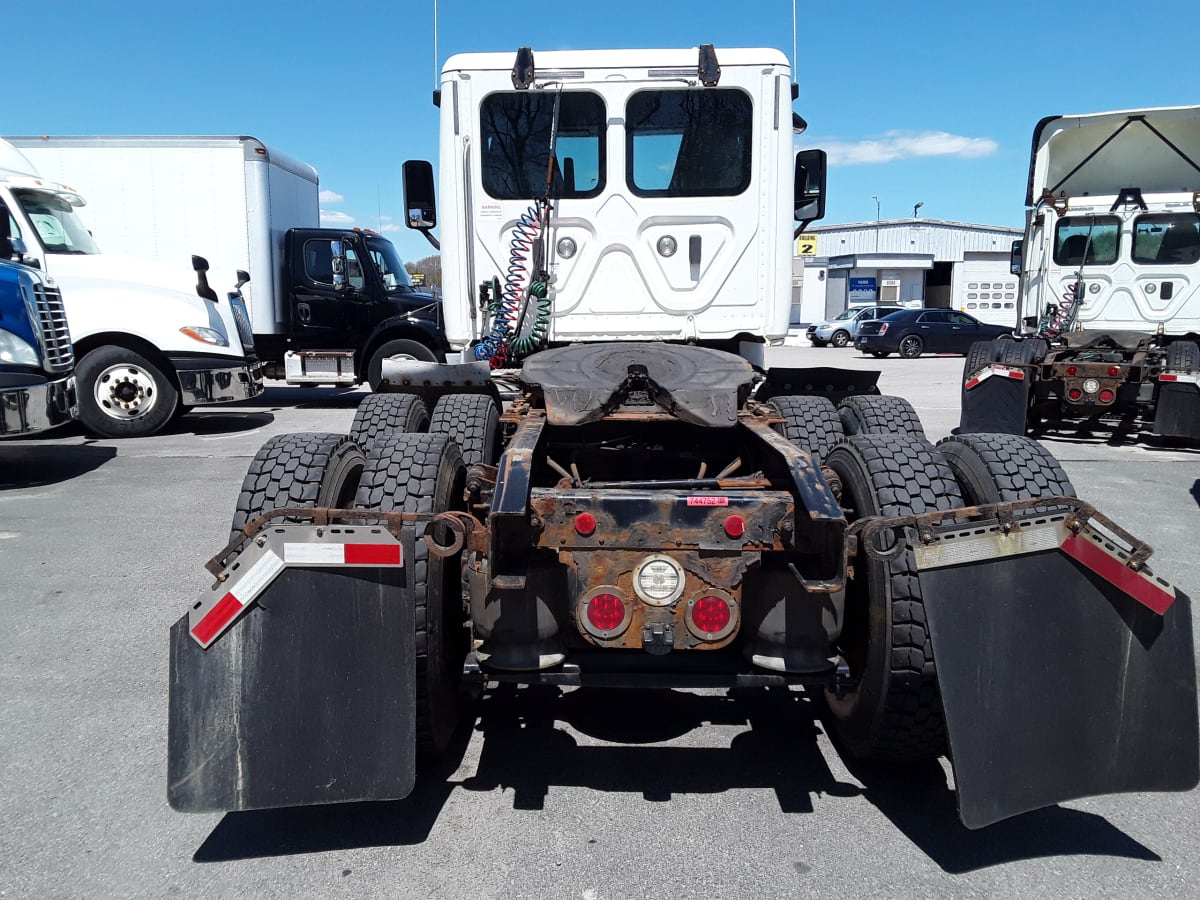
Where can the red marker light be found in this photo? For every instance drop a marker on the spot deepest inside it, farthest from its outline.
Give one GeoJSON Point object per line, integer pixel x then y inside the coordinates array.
{"type": "Point", "coordinates": [735, 526]}
{"type": "Point", "coordinates": [1114, 370]}
{"type": "Point", "coordinates": [585, 525]}
{"type": "Point", "coordinates": [1072, 370]}
{"type": "Point", "coordinates": [710, 614]}
{"type": "Point", "coordinates": [605, 612]}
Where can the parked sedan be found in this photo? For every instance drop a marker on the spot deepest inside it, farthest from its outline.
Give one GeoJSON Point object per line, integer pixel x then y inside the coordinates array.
{"type": "Point", "coordinates": [912, 332]}
{"type": "Point", "coordinates": [843, 329]}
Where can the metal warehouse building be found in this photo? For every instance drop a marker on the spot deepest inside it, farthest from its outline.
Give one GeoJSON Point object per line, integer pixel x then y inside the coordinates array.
{"type": "Point", "coordinates": [911, 262]}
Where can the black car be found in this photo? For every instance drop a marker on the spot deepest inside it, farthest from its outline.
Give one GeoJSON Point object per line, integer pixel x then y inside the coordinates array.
{"type": "Point", "coordinates": [912, 332]}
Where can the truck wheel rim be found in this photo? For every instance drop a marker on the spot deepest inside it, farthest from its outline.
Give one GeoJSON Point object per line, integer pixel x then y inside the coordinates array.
{"type": "Point", "coordinates": [125, 391]}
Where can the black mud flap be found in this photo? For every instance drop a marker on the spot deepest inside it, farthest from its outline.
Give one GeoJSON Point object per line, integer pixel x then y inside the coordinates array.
{"type": "Point", "coordinates": [305, 696]}
{"type": "Point", "coordinates": [1177, 414]}
{"type": "Point", "coordinates": [995, 400]}
{"type": "Point", "coordinates": [1057, 683]}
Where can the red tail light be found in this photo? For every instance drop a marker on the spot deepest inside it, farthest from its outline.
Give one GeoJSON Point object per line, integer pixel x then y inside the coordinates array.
{"type": "Point", "coordinates": [605, 612]}
{"type": "Point", "coordinates": [1074, 394]}
{"type": "Point", "coordinates": [1106, 396]}
{"type": "Point", "coordinates": [710, 614]}
{"type": "Point", "coordinates": [1114, 370]}
{"type": "Point", "coordinates": [1072, 370]}
{"type": "Point", "coordinates": [883, 328]}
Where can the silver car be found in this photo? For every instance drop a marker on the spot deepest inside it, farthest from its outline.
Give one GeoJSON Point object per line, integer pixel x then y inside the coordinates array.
{"type": "Point", "coordinates": [842, 330]}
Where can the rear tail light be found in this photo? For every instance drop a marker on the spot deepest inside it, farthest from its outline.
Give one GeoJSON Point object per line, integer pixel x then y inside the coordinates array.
{"type": "Point", "coordinates": [1114, 371]}
{"type": "Point", "coordinates": [1074, 394]}
{"type": "Point", "coordinates": [605, 613]}
{"type": "Point", "coordinates": [1106, 396]}
{"type": "Point", "coordinates": [711, 615]}
{"type": "Point", "coordinates": [883, 328]}
{"type": "Point", "coordinates": [1072, 370]}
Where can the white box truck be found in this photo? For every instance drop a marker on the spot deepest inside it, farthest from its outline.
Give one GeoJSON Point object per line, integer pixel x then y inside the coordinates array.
{"type": "Point", "coordinates": [246, 206]}
{"type": "Point", "coordinates": [146, 346]}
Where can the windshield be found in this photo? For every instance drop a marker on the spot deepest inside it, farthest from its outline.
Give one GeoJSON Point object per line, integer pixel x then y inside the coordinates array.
{"type": "Point", "coordinates": [57, 226]}
{"type": "Point", "coordinates": [848, 314]}
{"type": "Point", "coordinates": [387, 261]}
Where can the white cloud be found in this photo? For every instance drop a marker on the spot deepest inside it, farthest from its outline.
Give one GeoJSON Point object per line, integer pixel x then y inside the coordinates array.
{"type": "Point", "coordinates": [894, 145]}
{"type": "Point", "coordinates": [330, 197]}
{"type": "Point", "coordinates": [333, 218]}
{"type": "Point", "coordinates": [389, 227]}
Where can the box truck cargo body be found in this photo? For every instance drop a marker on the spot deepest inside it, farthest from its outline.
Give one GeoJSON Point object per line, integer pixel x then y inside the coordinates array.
{"type": "Point", "coordinates": [244, 205]}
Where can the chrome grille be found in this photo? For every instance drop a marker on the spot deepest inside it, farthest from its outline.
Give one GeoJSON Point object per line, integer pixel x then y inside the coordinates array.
{"type": "Point", "coordinates": [238, 304]}
{"type": "Point", "coordinates": [52, 322]}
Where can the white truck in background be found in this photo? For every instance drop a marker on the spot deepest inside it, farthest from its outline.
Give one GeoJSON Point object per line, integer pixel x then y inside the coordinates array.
{"type": "Point", "coordinates": [245, 206]}
{"type": "Point", "coordinates": [146, 346]}
{"type": "Point", "coordinates": [1110, 282]}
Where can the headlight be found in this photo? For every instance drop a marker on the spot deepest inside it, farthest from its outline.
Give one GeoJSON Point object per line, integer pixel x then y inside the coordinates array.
{"type": "Point", "coordinates": [16, 351]}
{"type": "Point", "coordinates": [205, 335]}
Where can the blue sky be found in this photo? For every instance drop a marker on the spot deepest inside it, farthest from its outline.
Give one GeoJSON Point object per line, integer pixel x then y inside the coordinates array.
{"type": "Point", "coordinates": [929, 102]}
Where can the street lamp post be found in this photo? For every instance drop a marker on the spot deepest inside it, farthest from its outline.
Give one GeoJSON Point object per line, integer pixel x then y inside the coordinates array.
{"type": "Point", "coordinates": [876, 199]}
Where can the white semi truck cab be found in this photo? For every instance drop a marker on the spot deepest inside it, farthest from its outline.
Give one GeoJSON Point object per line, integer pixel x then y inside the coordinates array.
{"type": "Point", "coordinates": [146, 348]}
{"type": "Point", "coordinates": [601, 196]}
{"type": "Point", "coordinates": [1110, 281]}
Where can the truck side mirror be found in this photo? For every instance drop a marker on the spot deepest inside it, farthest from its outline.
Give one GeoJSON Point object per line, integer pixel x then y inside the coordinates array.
{"type": "Point", "coordinates": [337, 252]}
{"type": "Point", "coordinates": [809, 186]}
{"type": "Point", "coordinates": [1014, 262]}
{"type": "Point", "coordinates": [243, 278]}
{"type": "Point", "coordinates": [420, 203]}
{"type": "Point", "coordinates": [200, 267]}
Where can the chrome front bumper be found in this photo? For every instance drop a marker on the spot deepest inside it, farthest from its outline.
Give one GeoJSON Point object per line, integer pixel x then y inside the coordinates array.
{"type": "Point", "coordinates": [27, 410]}
{"type": "Point", "coordinates": [224, 384]}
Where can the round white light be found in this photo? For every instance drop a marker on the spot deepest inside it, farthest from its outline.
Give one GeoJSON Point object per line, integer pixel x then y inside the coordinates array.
{"type": "Point", "coordinates": [566, 247]}
{"type": "Point", "coordinates": [1091, 386]}
{"type": "Point", "coordinates": [658, 580]}
{"type": "Point", "coordinates": [667, 245]}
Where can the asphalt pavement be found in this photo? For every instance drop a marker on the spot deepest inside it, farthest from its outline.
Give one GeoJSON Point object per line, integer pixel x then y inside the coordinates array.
{"type": "Point", "coordinates": [547, 793]}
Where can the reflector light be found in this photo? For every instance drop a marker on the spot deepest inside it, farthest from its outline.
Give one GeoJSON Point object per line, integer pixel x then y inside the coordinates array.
{"type": "Point", "coordinates": [735, 526]}
{"type": "Point", "coordinates": [585, 524]}
{"type": "Point", "coordinates": [1106, 396]}
{"type": "Point", "coordinates": [1072, 370]}
{"type": "Point", "coordinates": [1113, 371]}
{"type": "Point", "coordinates": [710, 614]}
{"type": "Point", "coordinates": [605, 612]}
{"type": "Point", "coordinates": [1074, 394]}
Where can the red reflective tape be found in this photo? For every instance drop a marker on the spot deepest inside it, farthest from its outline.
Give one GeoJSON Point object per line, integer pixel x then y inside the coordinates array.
{"type": "Point", "coordinates": [372, 554]}
{"type": "Point", "coordinates": [1166, 377]}
{"type": "Point", "coordinates": [1015, 373]}
{"type": "Point", "coordinates": [217, 618]}
{"type": "Point", "coordinates": [970, 384]}
{"type": "Point", "coordinates": [1117, 573]}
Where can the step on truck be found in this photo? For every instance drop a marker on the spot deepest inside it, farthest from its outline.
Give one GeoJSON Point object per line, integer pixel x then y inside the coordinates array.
{"type": "Point", "coordinates": [1110, 283]}
{"type": "Point", "coordinates": [246, 206]}
{"type": "Point", "coordinates": [650, 505]}
{"type": "Point", "coordinates": [37, 363]}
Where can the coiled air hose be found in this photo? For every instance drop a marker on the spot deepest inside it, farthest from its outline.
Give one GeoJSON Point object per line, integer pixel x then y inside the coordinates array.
{"type": "Point", "coordinates": [508, 336]}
